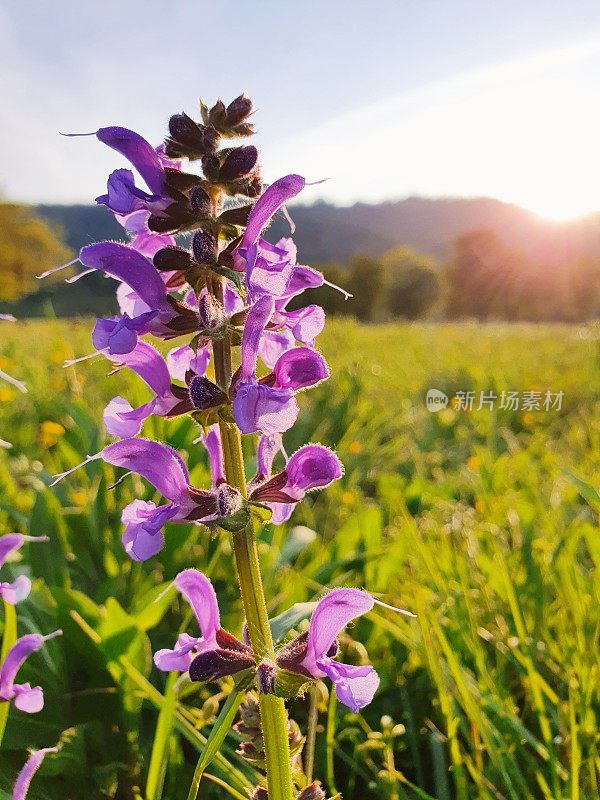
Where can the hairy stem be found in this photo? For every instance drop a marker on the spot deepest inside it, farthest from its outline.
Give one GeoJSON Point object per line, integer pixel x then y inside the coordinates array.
{"type": "Point", "coordinates": [272, 709]}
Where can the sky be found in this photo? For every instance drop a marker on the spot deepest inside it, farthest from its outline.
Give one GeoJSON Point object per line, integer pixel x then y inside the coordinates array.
{"type": "Point", "coordinates": [384, 99]}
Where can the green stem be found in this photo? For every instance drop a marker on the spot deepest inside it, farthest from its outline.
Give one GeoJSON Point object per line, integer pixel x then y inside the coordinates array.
{"type": "Point", "coordinates": [8, 640]}
{"type": "Point", "coordinates": [272, 709]}
{"type": "Point", "coordinates": [311, 733]}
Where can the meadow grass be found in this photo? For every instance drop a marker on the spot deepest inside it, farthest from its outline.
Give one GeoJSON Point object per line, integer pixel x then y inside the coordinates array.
{"type": "Point", "coordinates": [483, 523]}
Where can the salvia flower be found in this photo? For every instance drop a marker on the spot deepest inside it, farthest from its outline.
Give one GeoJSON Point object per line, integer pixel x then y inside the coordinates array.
{"type": "Point", "coordinates": [123, 196]}
{"type": "Point", "coordinates": [313, 466]}
{"type": "Point", "coordinates": [170, 400]}
{"type": "Point", "coordinates": [25, 776]}
{"type": "Point", "coordinates": [25, 697]}
{"type": "Point", "coordinates": [312, 653]}
{"type": "Point", "coordinates": [269, 406]}
{"type": "Point", "coordinates": [19, 589]}
{"type": "Point", "coordinates": [164, 469]}
{"type": "Point", "coordinates": [216, 652]}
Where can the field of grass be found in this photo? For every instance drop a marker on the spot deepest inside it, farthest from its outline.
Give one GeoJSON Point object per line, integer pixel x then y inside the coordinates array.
{"type": "Point", "coordinates": [483, 523]}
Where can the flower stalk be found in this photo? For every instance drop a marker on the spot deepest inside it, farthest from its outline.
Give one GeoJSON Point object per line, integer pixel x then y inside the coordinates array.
{"type": "Point", "coordinates": [273, 713]}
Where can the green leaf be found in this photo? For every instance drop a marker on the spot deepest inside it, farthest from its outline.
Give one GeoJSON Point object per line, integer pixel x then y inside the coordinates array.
{"type": "Point", "coordinates": [290, 619]}
{"type": "Point", "coordinates": [217, 735]}
{"type": "Point", "coordinates": [49, 560]}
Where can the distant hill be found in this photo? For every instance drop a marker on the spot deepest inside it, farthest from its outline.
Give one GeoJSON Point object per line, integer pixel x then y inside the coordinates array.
{"type": "Point", "coordinates": [327, 234]}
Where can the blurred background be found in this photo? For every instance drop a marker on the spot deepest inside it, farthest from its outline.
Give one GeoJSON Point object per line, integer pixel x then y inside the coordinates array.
{"type": "Point", "coordinates": [458, 140]}
{"type": "Point", "coordinates": [461, 208]}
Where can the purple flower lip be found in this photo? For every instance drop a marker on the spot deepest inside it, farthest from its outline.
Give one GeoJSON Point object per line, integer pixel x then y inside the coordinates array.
{"type": "Point", "coordinates": [25, 697]}
{"type": "Point", "coordinates": [19, 589]}
{"type": "Point", "coordinates": [216, 652]}
{"type": "Point", "coordinates": [311, 467]}
{"type": "Point", "coordinates": [311, 654]}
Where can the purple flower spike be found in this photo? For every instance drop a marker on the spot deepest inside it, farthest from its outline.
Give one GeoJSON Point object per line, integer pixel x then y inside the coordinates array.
{"type": "Point", "coordinates": [27, 699]}
{"type": "Point", "coordinates": [311, 467]}
{"type": "Point", "coordinates": [33, 763]}
{"type": "Point", "coordinates": [215, 653]}
{"type": "Point", "coordinates": [312, 653]}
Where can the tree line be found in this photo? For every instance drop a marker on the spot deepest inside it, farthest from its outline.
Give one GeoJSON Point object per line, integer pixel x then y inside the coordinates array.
{"type": "Point", "coordinates": [482, 279]}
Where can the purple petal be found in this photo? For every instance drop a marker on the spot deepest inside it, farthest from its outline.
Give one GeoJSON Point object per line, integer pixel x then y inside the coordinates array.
{"type": "Point", "coordinates": [8, 544]}
{"type": "Point", "coordinates": [268, 447]}
{"type": "Point", "coordinates": [200, 594]}
{"type": "Point", "coordinates": [180, 657]}
{"type": "Point", "coordinates": [212, 443]}
{"type": "Point", "coordinates": [330, 617]}
{"type": "Point", "coordinates": [303, 278]}
{"type": "Point", "coordinates": [120, 419]}
{"type": "Point", "coordinates": [259, 408]}
{"type": "Point", "coordinates": [148, 363]}
{"type": "Point", "coordinates": [158, 463]}
{"type": "Point", "coordinates": [268, 269]}
{"type": "Point", "coordinates": [24, 777]}
{"type": "Point", "coordinates": [143, 537]}
{"type": "Point", "coordinates": [123, 196]}
{"type": "Point", "coordinates": [182, 359]}
{"type": "Point", "coordinates": [271, 200]}
{"type": "Point", "coordinates": [16, 591]}
{"type": "Point", "coordinates": [274, 344]}
{"type": "Point", "coordinates": [354, 686]}
{"type": "Point", "coordinates": [120, 334]}
{"type": "Point", "coordinates": [138, 152]}
{"type": "Point", "coordinates": [281, 512]}
{"type": "Point", "coordinates": [300, 368]}
{"type": "Point", "coordinates": [125, 264]}
{"type": "Point", "coordinates": [304, 323]}
{"type": "Point", "coordinates": [311, 467]}
{"type": "Point", "coordinates": [27, 698]}
{"type": "Point", "coordinates": [256, 321]}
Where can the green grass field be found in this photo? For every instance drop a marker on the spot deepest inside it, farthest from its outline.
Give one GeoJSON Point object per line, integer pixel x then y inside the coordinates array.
{"type": "Point", "coordinates": [483, 523]}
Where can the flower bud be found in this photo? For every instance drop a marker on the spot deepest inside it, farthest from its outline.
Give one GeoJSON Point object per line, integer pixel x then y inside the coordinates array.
{"type": "Point", "coordinates": [238, 163]}
{"type": "Point", "coordinates": [312, 792]}
{"type": "Point", "coordinates": [205, 394]}
{"type": "Point", "coordinates": [188, 138]}
{"type": "Point", "coordinates": [217, 115]}
{"type": "Point", "coordinates": [210, 166]}
{"type": "Point", "coordinates": [265, 677]}
{"type": "Point", "coordinates": [229, 500]}
{"type": "Point", "coordinates": [199, 202]}
{"type": "Point", "coordinates": [259, 794]}
{"type": "Point", "coordinates": [210, 311]}
{"type": "Point", "coordinates": [185, 131]}
{"type": "Point", "coordinates": [204, 247]}
{"type": "Point", "coordinates": [172, 259]}
{"type": "Point", "coordinates": [238, 110]}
